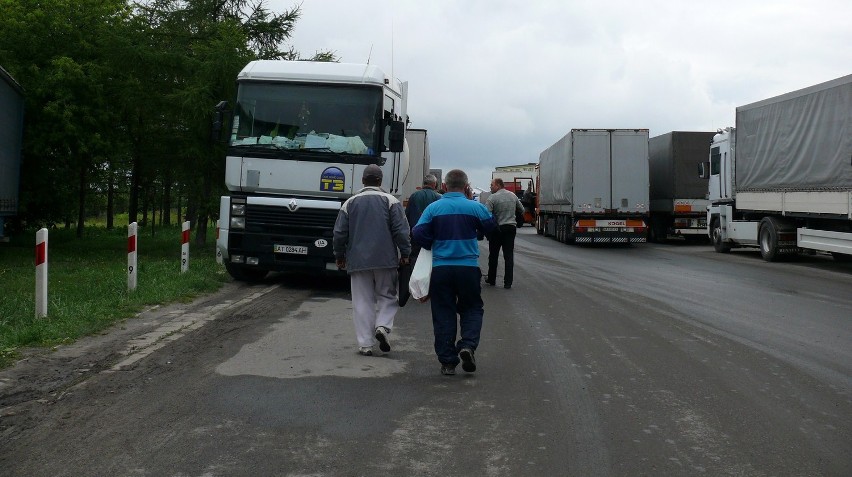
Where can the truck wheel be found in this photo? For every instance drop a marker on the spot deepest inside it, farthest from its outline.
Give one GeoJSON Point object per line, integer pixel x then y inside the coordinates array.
{"type": "Point", "coordinates": [652, 233]}
{"type": "Point", "coordinates": [539, 226]}
{"type": "Point", "coordinates": [718, 244]}
{"type": "Point", "coordinates": [841, 257]}
{"type": "Point", "coordinates": [242, 273]}
{"type": "Point", "coordinates": [767, 237]}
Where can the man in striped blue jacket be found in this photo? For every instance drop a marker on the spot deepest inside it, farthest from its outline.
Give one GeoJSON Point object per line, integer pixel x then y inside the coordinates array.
{"type": "Point", "coordinates": [451, 227]}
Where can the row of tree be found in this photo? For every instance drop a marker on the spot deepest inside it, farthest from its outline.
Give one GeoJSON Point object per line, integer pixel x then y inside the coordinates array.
{"type": "Point", "coordinates": [119, 98]}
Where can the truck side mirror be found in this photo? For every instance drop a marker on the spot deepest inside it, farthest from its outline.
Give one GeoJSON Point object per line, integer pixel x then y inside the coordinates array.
{"type": "Point", "coordinates": [218, 114]}
{"type": "Point", "coordinates": [396, 138]}
{"type": "Point", "coordinates": [703, 170]}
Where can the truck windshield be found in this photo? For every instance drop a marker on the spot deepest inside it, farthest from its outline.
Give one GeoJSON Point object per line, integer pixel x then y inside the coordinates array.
{"type": "Point", "coordinates": [331, 119]}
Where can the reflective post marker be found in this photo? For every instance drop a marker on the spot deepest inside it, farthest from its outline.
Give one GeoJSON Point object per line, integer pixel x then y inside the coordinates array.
{"type": "Point", "coordinates": [41, 274]}
{"type": "Point", "coordinates": [131, 256]}
{"type": "Point", "coordinates": [184, 248]}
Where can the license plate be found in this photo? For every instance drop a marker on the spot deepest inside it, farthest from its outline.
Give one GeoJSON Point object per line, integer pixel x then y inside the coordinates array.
{"type": "Point", "coordinates": [611, 229]}
{"type": "Point", "coordinates": [294, 249]}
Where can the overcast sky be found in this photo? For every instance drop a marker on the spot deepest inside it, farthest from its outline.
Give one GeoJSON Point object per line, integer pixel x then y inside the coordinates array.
{"type": "Point", "coordinates": [495, 82]}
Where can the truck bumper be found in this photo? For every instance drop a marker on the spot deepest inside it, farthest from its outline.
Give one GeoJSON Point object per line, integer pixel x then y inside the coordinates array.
{"type": "Point", "coordinates": [609, 238]}
{"type": "Point", "coordinates": [614, 230]}
{"type": "Point", "coordinates": [260, 250]}
{"type": "Point", "coordinates": [276, 238]}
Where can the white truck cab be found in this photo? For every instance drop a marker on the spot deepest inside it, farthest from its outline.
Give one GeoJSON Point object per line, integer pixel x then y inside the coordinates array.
{"type": "Point", "coordinates": [302, 134]}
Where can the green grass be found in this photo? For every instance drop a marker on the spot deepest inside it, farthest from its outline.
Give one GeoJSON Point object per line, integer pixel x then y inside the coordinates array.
{"type": "Point", "coordinates": [87, 283]}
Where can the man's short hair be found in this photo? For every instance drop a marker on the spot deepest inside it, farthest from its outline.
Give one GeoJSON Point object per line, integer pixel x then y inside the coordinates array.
{"type": "Point", "coordinates": [456, 179]}
{"type": "Point", "coordinates": [499, 182]}
{"type": "Point", "coordinates": [430, 179]}
{"type": "Point", "coordinates": [372, 175]}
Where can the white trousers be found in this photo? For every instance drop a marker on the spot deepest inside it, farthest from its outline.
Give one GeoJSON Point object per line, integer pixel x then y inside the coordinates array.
{"type": "Point", "coordinates": [374, 302]}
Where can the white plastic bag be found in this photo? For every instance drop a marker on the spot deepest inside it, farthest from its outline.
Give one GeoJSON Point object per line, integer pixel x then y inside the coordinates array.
{"type": "Point", "coordinates": [420, 275]}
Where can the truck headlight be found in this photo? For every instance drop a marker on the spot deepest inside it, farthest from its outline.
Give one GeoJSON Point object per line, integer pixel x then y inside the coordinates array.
{"type": "Point", "coordinates": [238, 209]}
{"type": "Point", "coordinates": [238, 222]}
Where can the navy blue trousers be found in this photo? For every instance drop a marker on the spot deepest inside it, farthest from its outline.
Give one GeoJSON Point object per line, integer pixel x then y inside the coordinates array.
{"type": "Point", "coordinates": [455, 291]}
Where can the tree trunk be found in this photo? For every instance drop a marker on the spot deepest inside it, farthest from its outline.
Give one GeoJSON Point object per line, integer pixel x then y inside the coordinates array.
{"type": "Point", "coordinates": [110, 218]}
{"type": "Point", "coordinates": [166, 214]}
{"type": "Point", "coordinates": [144, 221]}
{"type": "Point", "coordinates": [204, 208]}
{"type": "Point", "coordinates": [81, 201]}
{"type": "Point", "coordinates": [133, 206]}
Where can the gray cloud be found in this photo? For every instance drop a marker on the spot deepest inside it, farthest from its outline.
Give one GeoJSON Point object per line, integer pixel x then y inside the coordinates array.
{"type": "Point", "coordinates": [496, 81]}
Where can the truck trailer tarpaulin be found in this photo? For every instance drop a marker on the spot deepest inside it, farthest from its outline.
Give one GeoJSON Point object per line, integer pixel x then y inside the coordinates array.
{"type": "Point", "coordinates": [11, 128]}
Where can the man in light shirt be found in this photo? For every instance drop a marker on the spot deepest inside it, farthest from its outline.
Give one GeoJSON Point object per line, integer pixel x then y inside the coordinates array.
{"type": "Point", "coordinates": [504, 206]}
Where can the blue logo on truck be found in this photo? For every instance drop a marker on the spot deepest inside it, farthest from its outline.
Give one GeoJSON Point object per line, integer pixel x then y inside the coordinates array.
{"type": "Point", "coordinates": [332, 180]}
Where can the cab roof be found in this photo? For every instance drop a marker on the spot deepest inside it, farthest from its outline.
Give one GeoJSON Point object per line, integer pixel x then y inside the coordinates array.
{"type": "Point", "coordinates": [315, 72]}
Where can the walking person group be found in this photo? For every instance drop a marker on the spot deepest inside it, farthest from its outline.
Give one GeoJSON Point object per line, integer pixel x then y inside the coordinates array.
{"type": "Point", "coordinates": [373, 235]}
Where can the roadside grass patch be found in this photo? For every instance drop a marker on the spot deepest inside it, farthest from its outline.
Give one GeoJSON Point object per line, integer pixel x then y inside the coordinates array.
{"type": "Point", "coordinates": [87, 283]}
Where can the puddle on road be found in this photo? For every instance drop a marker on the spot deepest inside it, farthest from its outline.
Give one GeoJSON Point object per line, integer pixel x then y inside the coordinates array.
{"type": "Point", "coordinates": [317, 339]}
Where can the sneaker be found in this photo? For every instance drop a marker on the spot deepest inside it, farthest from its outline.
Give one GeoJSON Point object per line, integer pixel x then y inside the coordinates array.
{"type": "Point", "coordinates": [468, 361]}
{"type": "Point", "coordinates": [490, 282]}
{"type": "Point", "coordinates": [382, 336]}
{"type": "Point", "coordinates": [448, 369]}
{"type": "Point", "coordinates": [365, 351]}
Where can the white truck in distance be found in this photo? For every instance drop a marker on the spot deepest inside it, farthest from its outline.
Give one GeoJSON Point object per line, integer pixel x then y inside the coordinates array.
{"type": "Point", "coordinates": [781, 180]}
{"type": "Point", "coordinates": [593, 187]}
{"type": "Point", "coordinates": [301, 136]}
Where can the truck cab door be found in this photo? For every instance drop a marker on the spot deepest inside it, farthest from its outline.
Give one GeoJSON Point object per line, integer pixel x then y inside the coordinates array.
{"type": "Point", "coordinates": [721, 168]}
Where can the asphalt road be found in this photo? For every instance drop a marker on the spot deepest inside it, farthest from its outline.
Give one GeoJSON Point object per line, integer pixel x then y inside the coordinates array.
{"type": "Point", "coordinates": [647, 360]}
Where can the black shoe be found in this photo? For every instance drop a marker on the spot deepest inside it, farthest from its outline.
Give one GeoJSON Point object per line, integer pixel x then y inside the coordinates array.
{"type": "Point", "coordinates": [382, 336]}
{"type": "Point", "coordinates": [448, 369]}
{"type": "Point", "coordinates": [490, 282]}
{"type": "Point", "coordinates": [468, 361]}
{"type": "Point", "coordinates": [507, 286]}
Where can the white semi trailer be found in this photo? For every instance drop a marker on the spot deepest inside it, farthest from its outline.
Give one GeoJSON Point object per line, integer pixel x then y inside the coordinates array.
{"type": "Point", "coordinates": [301, 136]}
{"type": "Point", "coordinates": [593, 187]}
{"type": "Point", "coordinates": [781, 180]}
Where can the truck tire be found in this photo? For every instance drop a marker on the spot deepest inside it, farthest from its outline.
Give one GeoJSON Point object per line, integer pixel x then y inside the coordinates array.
{"type": "Point", "coordinates": [718, 244]}
{"type": "Point", "coordinates": [242, 273]}
{"type": "Point", "coordinates": [841, 257]}
{"type": "Point", "coordinates": [652, 233]}
{"type": "Point", "coordinates": [539, 225]}
{"type": "Point", "coordinates": [767, 238]}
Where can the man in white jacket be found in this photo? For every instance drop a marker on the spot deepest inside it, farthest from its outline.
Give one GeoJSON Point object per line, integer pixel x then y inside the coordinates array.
{"type": "Point", "coordinates": [371, 240]}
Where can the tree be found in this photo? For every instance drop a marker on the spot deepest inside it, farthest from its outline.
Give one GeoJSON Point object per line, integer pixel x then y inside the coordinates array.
{"type": "Point", "coordinates": [119, 98]}
{"type": "Point", "coordinates": [55, 49]}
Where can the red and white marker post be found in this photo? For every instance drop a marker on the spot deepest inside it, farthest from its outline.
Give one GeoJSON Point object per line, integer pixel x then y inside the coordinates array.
{"type": "Point", "coordinates": [131, 256]}
{"type": "Point", "coordinates": [41, 274]}
{"type": "Point", "coordinates": [184, 248]}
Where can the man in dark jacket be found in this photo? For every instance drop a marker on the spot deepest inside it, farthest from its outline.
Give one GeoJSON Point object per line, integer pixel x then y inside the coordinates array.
{"type": "Point", "coordinates": [417, 203]}
{"type": "Point", "coordinates": [371, 239]}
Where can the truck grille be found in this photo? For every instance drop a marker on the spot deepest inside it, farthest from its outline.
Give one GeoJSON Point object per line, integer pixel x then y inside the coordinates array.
{"type": "Point", "coordinates": [279, 220]}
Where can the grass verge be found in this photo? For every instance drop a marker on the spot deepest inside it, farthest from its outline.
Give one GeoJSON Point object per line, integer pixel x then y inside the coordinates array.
{"type": "Point", "coordinates": [87, 283]}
